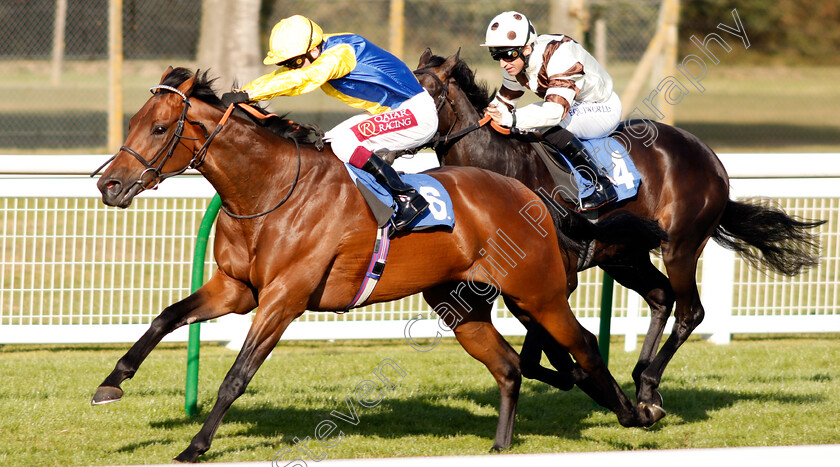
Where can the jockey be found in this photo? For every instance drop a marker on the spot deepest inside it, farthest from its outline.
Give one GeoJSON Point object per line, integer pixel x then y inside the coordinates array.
{"type": "Point", "coordinates": [578, 98]}
{"type": "Point", "coordinates": [400, 114]}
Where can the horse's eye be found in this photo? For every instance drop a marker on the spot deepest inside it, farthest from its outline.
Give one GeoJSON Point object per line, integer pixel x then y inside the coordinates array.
{"type": "Point", "coordinates": [159, 130]}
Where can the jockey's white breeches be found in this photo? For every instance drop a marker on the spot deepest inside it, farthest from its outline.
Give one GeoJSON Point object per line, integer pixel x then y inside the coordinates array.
{"type": "Point", "coordinates": [588, 120]}
{"type": "Point", "coordinates": [411, 124]}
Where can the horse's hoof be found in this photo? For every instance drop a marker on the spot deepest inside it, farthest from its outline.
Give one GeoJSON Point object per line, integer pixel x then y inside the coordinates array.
{"type": "Point", "coordinates": [653, 411]}
{"type": "Point", "coordinates": [106, 394]}
{"type": "Point", "coordinates": [188, 456]}
{"type": "Point", "coordinates": [658, 400]}
{"type": "Point", "coordinates": [184, 458]}
{"type": "Point", "coordinates": [498, 448]}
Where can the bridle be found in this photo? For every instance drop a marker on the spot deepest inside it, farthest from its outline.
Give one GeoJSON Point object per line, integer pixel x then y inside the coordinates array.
{"type": "Point", "coordinates": [444, 95]}
{"type": "Point", "coordinates": [441, 99]}
{"type": "Point", "coordinates": [155, 165]}
{"type": "Point", "coordinates": [437, 141]}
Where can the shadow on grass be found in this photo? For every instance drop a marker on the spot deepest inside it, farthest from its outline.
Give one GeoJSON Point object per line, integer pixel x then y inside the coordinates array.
{"type": "Point", "coordinates": [542, 411]}
{"type": "Point", "coordinates": [131, 447]}
{"type": "Point", "coordinates": [749, 135]}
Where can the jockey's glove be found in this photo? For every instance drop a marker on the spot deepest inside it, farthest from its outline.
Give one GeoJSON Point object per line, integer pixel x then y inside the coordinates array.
{"type": "Point", "coordinates": [236, 97]}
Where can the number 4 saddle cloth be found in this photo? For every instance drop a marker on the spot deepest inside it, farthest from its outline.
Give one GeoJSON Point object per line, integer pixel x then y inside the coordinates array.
{"type": "Point", "coordinates": [381, 202]}
{"type": "Point", "coordinates": [610, 154]}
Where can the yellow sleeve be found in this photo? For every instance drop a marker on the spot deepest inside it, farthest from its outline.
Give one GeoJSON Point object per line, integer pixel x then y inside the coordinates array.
{"type": "Point", "coordinates": [333, 63]}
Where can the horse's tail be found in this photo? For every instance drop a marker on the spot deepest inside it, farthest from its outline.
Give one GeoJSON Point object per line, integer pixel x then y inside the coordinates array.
{"type": "Point", "coordinates": [621, 228]}
{"type": "Point", "coordinates": [766, 236]}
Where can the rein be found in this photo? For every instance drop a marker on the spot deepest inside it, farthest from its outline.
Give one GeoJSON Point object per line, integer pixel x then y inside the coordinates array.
{"type": "Point", "coordinates": [197, 160]}
{"type": "Point", "coordinates": [282, 201]}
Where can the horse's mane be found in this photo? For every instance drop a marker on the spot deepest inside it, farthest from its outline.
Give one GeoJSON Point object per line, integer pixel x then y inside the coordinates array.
{"type": "Point", "coordinates": [476, 92]}
{"type": "Point", "coordinates": [203, 91]}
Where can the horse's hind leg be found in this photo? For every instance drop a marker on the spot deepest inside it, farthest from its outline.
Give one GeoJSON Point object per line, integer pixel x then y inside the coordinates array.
{"type": "Point", "coordinates": [537, 341]}
{"type": "Point", "coordinates": [645, 279]}
{"type": "Point", "coordinates": [219, 296]}
{"type": "Point", "coordinates": [477, 335]}
{"type": "Point", "coordinates": [680, 258]}
{"type": "Point", "coordinates": [557, 319]}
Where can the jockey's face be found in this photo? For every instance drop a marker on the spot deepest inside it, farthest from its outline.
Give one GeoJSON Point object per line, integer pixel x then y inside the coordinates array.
{"type": "Point", "coordinates": [515, 66]}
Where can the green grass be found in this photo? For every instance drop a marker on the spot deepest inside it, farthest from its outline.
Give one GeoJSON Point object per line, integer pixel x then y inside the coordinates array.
{"type": "Point", "coordinates": [754, 392]}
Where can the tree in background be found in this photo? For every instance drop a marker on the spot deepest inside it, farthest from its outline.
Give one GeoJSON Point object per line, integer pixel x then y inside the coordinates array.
{"type": "Point", "coordinates": [785, 32]}
{"type": "Point", "coordinates": [229, 41]}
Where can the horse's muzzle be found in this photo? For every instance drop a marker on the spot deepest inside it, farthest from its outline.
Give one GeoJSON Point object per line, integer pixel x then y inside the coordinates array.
{"type": "Point", "coordinates": [116, 193]}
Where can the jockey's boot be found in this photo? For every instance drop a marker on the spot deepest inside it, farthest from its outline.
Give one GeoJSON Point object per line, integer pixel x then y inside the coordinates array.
{"type": "Point", "coordinates": [410, 204]}
{"type": "Point", "coordinates": [604, 192]}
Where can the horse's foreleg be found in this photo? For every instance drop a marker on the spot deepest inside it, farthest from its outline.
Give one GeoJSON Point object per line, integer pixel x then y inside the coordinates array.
{"type": "Point", "coordinates": [220, 296]}
{"type": "Point", "coordinates": [269, 324]}
{"type": "Point", "coordinates": [537, 341]}
{"type": "Point", "coordinates": [477, 335]}
{"type": "Point", "coordinates": [645, 279]}
{"type": "Point", "coordinates": [569, 373]}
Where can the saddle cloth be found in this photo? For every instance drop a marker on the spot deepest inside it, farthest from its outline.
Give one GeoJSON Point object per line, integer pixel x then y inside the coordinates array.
{"type": "Point", "coordinates": [381, 202]}
{"type": "Point", "coordinates": [611, 155]}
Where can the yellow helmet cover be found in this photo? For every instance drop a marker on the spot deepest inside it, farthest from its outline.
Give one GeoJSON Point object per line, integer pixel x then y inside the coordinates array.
{"type": "Point", "coordinates": [292, 37]}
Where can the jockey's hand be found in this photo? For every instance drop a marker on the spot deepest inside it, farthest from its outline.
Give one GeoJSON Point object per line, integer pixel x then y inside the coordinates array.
{"type": "Point", "coordinates": [494, 114]}
{"type": "Point", "coordinates": [235, 97]}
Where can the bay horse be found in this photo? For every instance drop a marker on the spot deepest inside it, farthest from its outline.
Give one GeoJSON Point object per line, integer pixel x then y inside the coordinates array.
{"type": "Point", "coordinates": [684, 188]}
{"type": "Point", "coordinates": [309, 249]}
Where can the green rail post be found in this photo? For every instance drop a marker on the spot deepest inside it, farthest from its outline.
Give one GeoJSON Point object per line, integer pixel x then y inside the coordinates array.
{"type": "Point", "coordinates": [191, 392]}
{"type": "Point", "coordinates": [606, 317]}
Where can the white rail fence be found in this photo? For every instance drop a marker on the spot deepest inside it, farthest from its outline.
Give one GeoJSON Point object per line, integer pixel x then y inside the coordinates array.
{"type": "Point", "coordinates": [75, 271]}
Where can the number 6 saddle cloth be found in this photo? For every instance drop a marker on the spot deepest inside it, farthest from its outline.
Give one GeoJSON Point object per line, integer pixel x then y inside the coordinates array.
{"type": "Point", "coordinates": [381, 202]}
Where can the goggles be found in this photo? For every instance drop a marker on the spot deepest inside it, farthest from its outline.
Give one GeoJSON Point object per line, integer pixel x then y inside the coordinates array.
{"type": "Point", "coordinates": [293, 63]}
{"type": "Point", "coordinates": [507, 54]}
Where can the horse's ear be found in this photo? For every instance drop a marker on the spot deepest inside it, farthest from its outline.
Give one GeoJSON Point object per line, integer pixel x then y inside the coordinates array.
{"type": "Point", "coordinates": [424, 59]}
{"type": "Point", "coordinates": [166, 73]}
{"type": "Point", "coordinates": [450, 63]}
{"type": "Point", "coordinates": [187, 86]}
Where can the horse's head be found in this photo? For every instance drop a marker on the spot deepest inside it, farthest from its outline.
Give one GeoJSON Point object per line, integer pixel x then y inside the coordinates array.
{"type": "Point", "coordinates": [452, 85]}
{"type": "Point", "coordinates": [161, 141]}
{"type": "Point", "coordinates": [433, 73]}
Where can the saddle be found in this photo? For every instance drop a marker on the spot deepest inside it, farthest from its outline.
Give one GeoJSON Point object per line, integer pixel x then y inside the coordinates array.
{"type": "Point", "coordinates": [609, 153]}
{"type": "Point", "coordinates": [561, 175]}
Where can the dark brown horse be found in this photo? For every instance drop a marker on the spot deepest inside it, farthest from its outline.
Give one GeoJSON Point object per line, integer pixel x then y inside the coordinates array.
{"type": "Point", "coordinates": [684, 188]}
{"type": "Point", "coordinates": [296, 235]}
